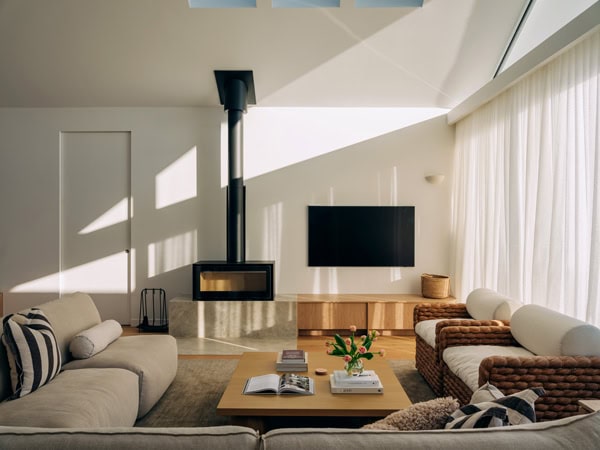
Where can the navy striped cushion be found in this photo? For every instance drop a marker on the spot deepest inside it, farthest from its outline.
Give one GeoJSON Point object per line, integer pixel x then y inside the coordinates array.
{"type": "Point", "coordinates": [475, 418]}
{"type": "Point", "coordinates": [519, 409]}
{"type": "Point", "coordinates": [32, 350]}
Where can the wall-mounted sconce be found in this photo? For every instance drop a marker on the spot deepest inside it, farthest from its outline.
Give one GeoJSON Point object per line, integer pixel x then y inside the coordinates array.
{"type": "Point", "coordinates": [435, 178]}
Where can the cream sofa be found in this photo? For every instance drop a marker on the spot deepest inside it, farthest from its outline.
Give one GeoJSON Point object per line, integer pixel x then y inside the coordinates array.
{"type": "Point", "coordinates": [540, 348]}
{"type": "Point", "coordinates": [577, 433]}
{"type": "Point", "coordinates": [110, 389]}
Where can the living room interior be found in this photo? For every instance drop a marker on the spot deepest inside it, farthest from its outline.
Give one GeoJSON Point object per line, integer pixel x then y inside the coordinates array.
{"type": "Point", "coordinates": [114, 165]}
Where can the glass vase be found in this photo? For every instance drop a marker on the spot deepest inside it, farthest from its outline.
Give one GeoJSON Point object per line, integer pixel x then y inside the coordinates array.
{"type": "Point", "coordinates": [354, 367]}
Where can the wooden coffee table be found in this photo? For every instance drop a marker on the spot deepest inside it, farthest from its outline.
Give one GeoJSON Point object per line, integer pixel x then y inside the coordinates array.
{"type": "Point", "coordinates": [249, 410]}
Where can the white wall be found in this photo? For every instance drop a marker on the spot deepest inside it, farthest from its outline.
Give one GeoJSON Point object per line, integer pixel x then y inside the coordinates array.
{"type": "Point", "coordinates": [387, 169]}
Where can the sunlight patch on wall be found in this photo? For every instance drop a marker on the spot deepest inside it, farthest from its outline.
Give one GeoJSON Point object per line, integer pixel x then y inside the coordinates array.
{"type": "Point", "coordinates": [106, 275]}
{"type": "Point", "coordinates": [172, 253]}
{"type": "Point", "coordinates": [272, 226]}
{"type": "Point", "coordinates": [325, 279]}
{"type": "Point", "coordinates": [178, 181]}
{"type": "Point", "coordinates": [49, 283]}
{"type": "Point", "coordinates": [275, 138]}
{"type": "Point", "coordinates": [117, 214]}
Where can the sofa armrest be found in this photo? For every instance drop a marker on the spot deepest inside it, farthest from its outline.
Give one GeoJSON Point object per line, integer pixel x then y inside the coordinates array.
{"type": "Point", "coordinates": [431, 311]}
{"type": "Point", "coordinates": [565, 380]}
{"type": "Point", "coordinates": [453, 336]}
{"type": "Point", "coordinates": [463, 323]}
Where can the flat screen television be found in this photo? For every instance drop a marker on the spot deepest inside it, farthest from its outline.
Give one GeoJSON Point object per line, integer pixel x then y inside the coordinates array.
{"type": "Point", "coordinates": [361, 236]}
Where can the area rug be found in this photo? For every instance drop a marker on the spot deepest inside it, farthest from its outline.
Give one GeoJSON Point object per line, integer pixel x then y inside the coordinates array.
{"type": "Point", "coordinates": [192, 398]}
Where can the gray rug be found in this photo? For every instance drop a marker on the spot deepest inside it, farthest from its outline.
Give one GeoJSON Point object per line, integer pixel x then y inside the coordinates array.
{"type": "Point", "coordinates": [192, 398]}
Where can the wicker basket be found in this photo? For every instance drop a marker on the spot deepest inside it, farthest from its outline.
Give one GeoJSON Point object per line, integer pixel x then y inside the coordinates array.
{"type": "Point", "coordinates": [434, 286]}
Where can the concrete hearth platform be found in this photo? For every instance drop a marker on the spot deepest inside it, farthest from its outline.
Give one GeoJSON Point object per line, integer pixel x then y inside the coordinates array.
{"type": "Point", "coordinates": [232, 346]}
{"type": "Point", "coordinates": [226, 320]}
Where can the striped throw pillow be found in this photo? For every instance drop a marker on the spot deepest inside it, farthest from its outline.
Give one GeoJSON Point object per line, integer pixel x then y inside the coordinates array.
{"type": "Point", "coordinates": [519, 407]}
{"type": "Point", "coordinates": [33, 353]}
{"type": "Point", "coordinates": [495, 416]}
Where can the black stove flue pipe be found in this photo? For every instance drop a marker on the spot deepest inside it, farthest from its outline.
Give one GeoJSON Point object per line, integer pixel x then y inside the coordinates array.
{"type": "Point", "coordinates": [236, 90]}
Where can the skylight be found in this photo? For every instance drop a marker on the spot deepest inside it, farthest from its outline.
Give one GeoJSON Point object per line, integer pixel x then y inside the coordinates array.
{"type": "Point", "coordinates": [388, 3]}
{"type": "Point", "coordinates": [222, 3]}
{"type": "Point", "coordinates": [305, 3]}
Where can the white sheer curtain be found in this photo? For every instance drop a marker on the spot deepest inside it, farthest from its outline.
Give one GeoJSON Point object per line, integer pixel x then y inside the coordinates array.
{"type": "Point", "coordinates": [526, 198]}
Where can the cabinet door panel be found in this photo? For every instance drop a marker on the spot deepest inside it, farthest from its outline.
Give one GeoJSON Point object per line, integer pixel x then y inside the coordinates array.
{"type": "Point", "coordinates": [390, 316]}
{"type": "Point", "coordinates": [331, 316]}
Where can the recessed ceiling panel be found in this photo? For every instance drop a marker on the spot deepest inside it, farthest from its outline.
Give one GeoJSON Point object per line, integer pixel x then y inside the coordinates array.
{"type": "Point", "coordinates": [388, 3]}
{"type": "Point", "coordinates": [306, 3]}
{"type": "Point", "coordinates": [222, 3]}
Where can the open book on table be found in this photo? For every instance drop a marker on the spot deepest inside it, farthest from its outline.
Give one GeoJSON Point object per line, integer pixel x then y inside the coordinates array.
{"type": "Point", "coordinates": [287, 383]}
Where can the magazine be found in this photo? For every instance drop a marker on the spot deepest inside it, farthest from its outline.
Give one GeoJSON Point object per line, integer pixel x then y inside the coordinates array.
{"type": "Point", "coordinates": [367, 378]}
{"type": "Point", "coordinates": [345, 388]}
{"type": "Point", "coordinates": [282, 365]}
{"type": "Point", "coordinates": [287, 383]}
{"type": "Point", "coordinates": [293, 356]}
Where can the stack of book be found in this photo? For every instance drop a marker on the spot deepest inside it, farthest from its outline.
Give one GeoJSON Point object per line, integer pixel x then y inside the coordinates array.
{"type": "Point", "coordinates": [366, 383]}
{"type": "Point", "coordinates": [292, 361]}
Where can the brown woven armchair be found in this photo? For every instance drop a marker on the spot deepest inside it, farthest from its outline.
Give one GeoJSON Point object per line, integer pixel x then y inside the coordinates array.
{"type": "Point", "coordinates": [566, 379]}
{"type": "Point", "coordinates": [427, 358]}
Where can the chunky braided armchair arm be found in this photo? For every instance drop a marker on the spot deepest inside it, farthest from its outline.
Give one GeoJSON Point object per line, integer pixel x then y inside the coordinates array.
{"type": "Point", "coordinates": [453, 336]}
{"type": "Point", "coordinates": [565, 379]}
{"type": "Point", "coordinates": [462, 323]}
{"type": "Point", "coordinates": [430, 311]}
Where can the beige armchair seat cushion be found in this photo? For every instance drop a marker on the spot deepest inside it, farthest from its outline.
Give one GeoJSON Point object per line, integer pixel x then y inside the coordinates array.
{"type": "Point", "coordinates": [426, 330]}
{"type": "Point", "coordinates": [464, 361]}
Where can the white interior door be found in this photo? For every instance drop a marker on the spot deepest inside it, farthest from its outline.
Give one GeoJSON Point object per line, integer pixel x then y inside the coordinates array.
{"type": "Point", "coordinates": [95, 219]}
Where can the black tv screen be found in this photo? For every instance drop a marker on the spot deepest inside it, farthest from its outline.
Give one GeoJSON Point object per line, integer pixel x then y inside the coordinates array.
{"type": "Point", "coordinates": [361, 236]}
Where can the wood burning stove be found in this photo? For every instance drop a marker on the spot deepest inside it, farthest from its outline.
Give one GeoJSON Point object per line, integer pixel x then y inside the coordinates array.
{"type": "Point", "coordinates": [236, 278]}
{"type": "Point", "coordinates": [219, 280]}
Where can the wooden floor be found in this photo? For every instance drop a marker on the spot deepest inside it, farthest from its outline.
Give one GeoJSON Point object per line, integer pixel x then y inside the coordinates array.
{"type": "Point", "coordinates": [396, 347]}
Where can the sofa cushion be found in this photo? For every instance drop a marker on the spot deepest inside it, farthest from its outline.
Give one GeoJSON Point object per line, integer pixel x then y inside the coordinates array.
{"type": "Point", "coordinates": [77, 398]}
{"type": "Point", "coordinates": [472, 417]}
{"type": "Point", "coordinates": [486, 393]}
{"type": "Point", "coordinates": [215, 438]}
{"type": "Point", "coordinates": [549, 333]}
{"type": "Point", "coordinates": [464, 360]}
{"type": "Point", "coordinates": [32, 351]}
{"type": "Point", "coordinates": [426, 330]}
{"type": "Point", "coordinates": [153, 358]}
{"type": "Point", "coordinates": [69, 315]}
{"type": "Point", "coordinates": [486, 304]}
{"type": "Point", "coordinates": [519, 409]}
{"type": "Point", "coordinates": [95, 339]}
{"type": "Point", "coordinates": [429, 415]}
{"type": "Point", "coordinates": [580, 432]}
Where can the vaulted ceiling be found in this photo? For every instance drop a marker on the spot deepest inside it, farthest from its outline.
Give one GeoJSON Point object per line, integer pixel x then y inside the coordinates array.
{"type": "Point", "coordinates": [162, 53]}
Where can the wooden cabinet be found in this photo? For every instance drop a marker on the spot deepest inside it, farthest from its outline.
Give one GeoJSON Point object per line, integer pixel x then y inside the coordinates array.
{"type": "Point", "coordinates": [388, 313]}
